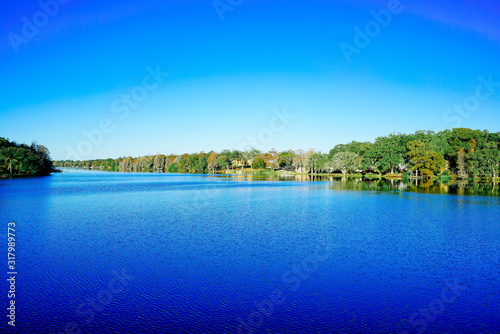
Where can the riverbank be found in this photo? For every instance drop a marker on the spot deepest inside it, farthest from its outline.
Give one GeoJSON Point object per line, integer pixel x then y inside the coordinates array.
{"type": "Point", "coordinates": [452, 179]}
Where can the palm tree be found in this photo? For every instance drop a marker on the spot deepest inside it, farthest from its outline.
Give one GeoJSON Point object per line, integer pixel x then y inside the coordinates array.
{"type": "Point", "coordinates": [10, 156]}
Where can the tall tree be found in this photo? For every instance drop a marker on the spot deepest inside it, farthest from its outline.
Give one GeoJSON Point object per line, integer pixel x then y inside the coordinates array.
{"type": "Point", "coordinates": [299, 161]}
{"type": "Point", "coordinates": [212, 162]}
{"type": "Point", "coordinates": [11, 155]}
{"type": "Point", "coordinates": [345, 162]}
{"type": "Point", "coordinates": [223, 161]}
{"type": "Point", "coordinates": [314, 161]}
{"type": "Point", "coordinates": [286, 158]}
{"type": "Point", "coordinates": [462, 169]}
{"type": "Point", "coordinates": [388, 152]}
{"type": "Point", "coordinates": [250, 154]}
{"type": "Point", "coordinates": [423, 159]}
{"type": "Point", "coordinates": [259, 162]}
{"type": "Point", "coordinates": [272, 159]}
{"type": "Point", "coordinates": [159, 162]}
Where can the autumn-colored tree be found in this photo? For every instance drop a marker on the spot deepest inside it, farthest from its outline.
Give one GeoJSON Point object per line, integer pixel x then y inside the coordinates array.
{"type": "Point", "coordinates": [272, 159]}
{"type": "Point", "coordinates": [212, 162]}
{"type": "Point", "coordinates": [170, 160]}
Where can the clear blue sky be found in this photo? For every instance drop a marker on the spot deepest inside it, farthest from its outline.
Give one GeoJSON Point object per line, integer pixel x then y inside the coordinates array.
{"type": "Point", "coordinates": [228, 77]}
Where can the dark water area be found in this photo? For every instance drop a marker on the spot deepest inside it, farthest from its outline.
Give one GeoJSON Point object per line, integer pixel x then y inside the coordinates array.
{"type": "Point", "coordinates": [105, 252]}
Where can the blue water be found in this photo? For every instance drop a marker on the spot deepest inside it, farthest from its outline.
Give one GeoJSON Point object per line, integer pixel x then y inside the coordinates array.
{"type": "Point", "coordinates": [105, 252]}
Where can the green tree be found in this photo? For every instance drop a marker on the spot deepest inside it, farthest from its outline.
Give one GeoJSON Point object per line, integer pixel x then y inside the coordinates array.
{"type": "Point", "coordinates": [250, 154]}
{"type": "Point", "coordinates": [360, 148]}
{"type": "Point", "coordinates": [286, 158]}
{"type": "Point", "coordinates": [10, 155]}
{"type": "Point", "coordinates": [223, 161]}
{"type": "Point", "coordinates": [388, 152]}
{"type": "Point", "coordinates": [423, 159]}
{"type": "Point", "coordinates": [345, 162]}
{"type": "Point", "coordinates": [485, 161]}
{"type": "Point", "coordinates": [236, 158]}
{"type": "Point", "coordinates": [461, 165]}
{"type": "Point", "coordinates": [314, 161]}
{"type": "Point", "coordinates": [259, 162]}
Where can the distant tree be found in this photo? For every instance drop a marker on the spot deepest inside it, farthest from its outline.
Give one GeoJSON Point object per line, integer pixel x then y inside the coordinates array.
{"type": "Point", "coordinates": [223, 161]}
{"type": "Point", "coordinates": [462, 168]}
{"type": "Point", "coordinates": [461, 138]}
{"type": "Point", "coordinates": [465, 151]}
{"type": "Point", "coordinates": [299, 161]}
{"type": "Point", "coordinates": [485, 161]}
{"type": "Point", "coordinates": [308, 155]}
{"type": "Point", "coordinates": [184, 163]}
{"type": "Point", "coordinates": [314, 161]}
{"type": "Point", "coordinates": [159, 162]}
{"type": "Point", "coordinates": [212, 162]}
{"type": "Point", "coordinates": [388, 152]}
{"type": "Point", "coordinates": [236, 157]}
{"type": "Point", "coordinates": [423, 159]}
{"type": "Point", "coordinates": [272, 159]}
{"type": "Point", "coordinates": [259, 162]}
{"type": "Point", "coordinates": [143, 164]}
{"type": "Point", "coordinates": [250, 154]}
{"type": "Point", "coordinates": [286, 158]}
{"type": "Point", "coordinates": [201, 163]}
{"type": "Point", "coordinates": [10, 155]}
{"type": "Point", "coordinates": [345, 162]}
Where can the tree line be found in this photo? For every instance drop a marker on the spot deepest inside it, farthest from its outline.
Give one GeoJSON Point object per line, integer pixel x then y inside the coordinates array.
{"type": "Point", "coordinates": [424, 154]}
{"type": "Point", "coordinates": [21, 159]}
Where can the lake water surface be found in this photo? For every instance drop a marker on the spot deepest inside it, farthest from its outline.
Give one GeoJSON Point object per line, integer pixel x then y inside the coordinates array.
{"type": "Point", "coordinates": [102, 252]}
